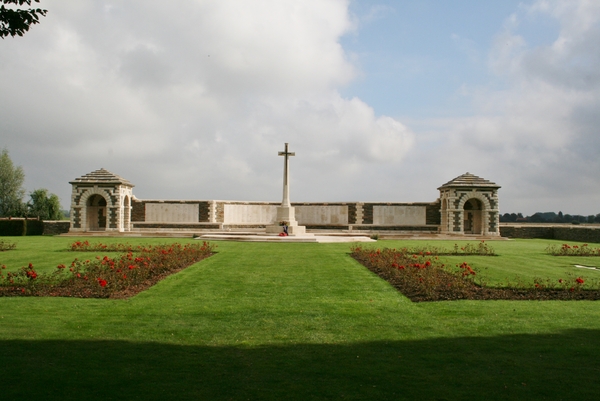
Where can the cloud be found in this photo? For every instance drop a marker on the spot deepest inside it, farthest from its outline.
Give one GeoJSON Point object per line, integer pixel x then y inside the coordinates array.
{"type": "Point", "coordinates": [189, 99]}
{"type": "Point", "coordinates": [537, 135]}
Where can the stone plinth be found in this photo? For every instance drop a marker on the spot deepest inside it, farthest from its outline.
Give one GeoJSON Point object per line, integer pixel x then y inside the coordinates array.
{"type": "Point", "coordinates": [287, 214]}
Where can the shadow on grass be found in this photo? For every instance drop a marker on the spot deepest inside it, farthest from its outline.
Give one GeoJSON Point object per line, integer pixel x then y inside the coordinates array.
{"type": "Point", "coordinates": [558, 366]}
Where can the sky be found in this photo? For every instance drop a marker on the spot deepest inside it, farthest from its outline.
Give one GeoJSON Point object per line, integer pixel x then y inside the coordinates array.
{"type": "Point", "coordinates": [380, 100]}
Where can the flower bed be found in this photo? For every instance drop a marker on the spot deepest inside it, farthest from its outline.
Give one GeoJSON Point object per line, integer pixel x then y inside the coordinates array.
{"type": "Point", "coordinates": [105, 277]}
{"type": "Point", "coordinates": [85, 246]}
{"type": "Point", "coordinates": [573, 250]}
{"type": "Point", "coordinates": [421, 276]}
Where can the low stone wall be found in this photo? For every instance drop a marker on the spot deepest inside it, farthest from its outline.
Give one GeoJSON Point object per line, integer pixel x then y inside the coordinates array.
{"type": "Point", "coordinates": [581, 234]}
{"type": "Point", "coordinates": [55, 227]}
{"type": "Point", "coordinates": [558, 232]}
{"type": "Point", "coordinates": [546, 232]}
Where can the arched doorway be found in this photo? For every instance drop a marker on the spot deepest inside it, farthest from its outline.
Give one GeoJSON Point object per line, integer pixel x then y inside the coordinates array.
{"type": "Point", "coordinates": [96, 213]}
{"type": "Point", "coordinates": [473, 217]}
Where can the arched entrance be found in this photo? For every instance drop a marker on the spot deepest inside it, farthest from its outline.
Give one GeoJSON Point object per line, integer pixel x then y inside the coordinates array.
{"type": "Point", "coordinates": [96, 213]}
{"type": "Point", "coordinates": [473, 217]}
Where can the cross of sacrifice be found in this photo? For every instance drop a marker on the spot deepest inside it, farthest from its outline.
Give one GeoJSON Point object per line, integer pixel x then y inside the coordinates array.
{"type": "Point", "coordinates": [286, 176]}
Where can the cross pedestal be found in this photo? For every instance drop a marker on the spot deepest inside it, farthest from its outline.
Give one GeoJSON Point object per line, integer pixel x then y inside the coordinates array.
{"type": "Point", "coordinates": [285, 212]}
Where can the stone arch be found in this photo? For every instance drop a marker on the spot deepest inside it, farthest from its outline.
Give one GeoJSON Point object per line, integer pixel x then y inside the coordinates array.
{"type": "Point", "coordinates": [473, 216]}
{"type": "Point", "coordinates": [95, 212]}
{"type": "Point", "coordinates": [475, 209]}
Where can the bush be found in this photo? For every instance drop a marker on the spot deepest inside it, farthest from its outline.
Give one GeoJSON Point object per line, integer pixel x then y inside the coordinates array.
{"type": "Point", "coordinates": [21, 227]}
{"type": "Point", "coordinates": [7, 246]}
{"type": "Point", "coordinates": [13, 228]}
{"type": "Point", "coordinates": [34, 227]}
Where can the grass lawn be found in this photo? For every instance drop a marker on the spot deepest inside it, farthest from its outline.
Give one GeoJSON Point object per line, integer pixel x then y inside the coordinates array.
{"type": "Point", "coordinates": [298, 321]}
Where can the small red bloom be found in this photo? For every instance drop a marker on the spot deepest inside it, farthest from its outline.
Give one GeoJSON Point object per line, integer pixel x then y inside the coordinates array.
{"type": "Point", "coordinates": [579, 280]}
{"type": "Point", "coordinates": [102, 282]}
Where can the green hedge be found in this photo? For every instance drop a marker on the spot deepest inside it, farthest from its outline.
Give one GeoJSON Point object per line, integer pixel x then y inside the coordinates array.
{"type": "Point", "coordinates": [19, 227]}
{"type": "Point", "coordinates": [35, 227]}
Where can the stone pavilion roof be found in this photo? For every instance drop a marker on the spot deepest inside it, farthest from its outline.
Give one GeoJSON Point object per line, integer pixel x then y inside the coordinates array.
{"type": "Point", "coordinates": [101, 176]}
{"type": "Point", "coordinates": [469, 180]}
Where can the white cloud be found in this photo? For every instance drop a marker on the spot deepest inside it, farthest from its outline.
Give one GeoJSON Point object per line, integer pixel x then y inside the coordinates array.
{"type": "Point", "coordinates": [537, 137]}
{"type": "Point", "coordinates": [189, 99]}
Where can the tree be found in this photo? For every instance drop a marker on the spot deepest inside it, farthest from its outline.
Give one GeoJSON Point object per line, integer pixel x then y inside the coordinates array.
{"type": "Point", "coordinates": [11, 187]}
{"type": "Point", "coordinates": [44, 206]}
{"type": "Point", "coordinates": [16, 21]}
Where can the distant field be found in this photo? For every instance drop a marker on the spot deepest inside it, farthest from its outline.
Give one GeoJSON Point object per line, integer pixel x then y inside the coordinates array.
{"type": "Point", "coordinates": [298, 321]}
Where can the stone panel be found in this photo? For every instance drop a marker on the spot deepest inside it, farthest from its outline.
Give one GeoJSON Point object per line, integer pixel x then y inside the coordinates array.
{"type": "Point", "coordinates": [399, 215]}
{"type": "Point", "coordinates": [172, 212]}
{"type": "Point", "coordinates": [249, 213]}
{"type": "Point", "coordinates": [220, 212]}
{"type": "Point", "coordinates": [321, 214]}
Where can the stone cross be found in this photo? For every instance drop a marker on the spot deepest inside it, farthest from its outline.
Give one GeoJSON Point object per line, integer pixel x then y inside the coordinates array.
{"type": "Point", "coordinates": [286, 176]}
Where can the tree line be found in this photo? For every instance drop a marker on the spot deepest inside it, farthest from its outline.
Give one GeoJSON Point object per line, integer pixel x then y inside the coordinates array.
{"type": "Point", "coordinates": [41, 204]}
{"type": "Point", "coordinates": [549, 217]}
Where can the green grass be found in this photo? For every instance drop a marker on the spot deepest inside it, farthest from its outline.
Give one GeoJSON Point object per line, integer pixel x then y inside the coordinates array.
{"type": "Point", "coordinates": [297, 321]}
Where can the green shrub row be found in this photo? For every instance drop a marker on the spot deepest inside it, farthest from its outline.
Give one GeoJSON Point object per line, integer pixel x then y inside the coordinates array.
{"type": "Point", "coordinates": [20, 227]}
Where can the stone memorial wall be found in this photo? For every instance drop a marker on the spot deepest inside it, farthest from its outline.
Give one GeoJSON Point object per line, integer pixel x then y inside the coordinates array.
{"type": "Point", "coordinates": [103, 201]}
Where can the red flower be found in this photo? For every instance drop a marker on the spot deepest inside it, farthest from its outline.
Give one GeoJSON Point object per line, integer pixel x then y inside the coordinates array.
{"type": "Point", "coordinates": [579, 280]}
{"type": "Point", "coordinates": [102, 282]}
